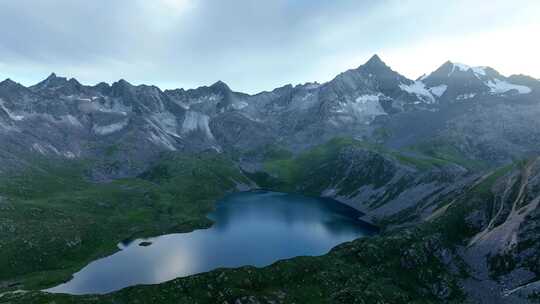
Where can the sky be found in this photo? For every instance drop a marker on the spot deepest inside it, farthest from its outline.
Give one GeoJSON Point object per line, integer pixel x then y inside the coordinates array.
{"type": "Point", "coordinates": [256, 45]}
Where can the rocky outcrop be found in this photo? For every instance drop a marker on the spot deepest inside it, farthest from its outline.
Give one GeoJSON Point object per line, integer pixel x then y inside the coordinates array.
{"type": "Point", "coordinates": [503, 254]}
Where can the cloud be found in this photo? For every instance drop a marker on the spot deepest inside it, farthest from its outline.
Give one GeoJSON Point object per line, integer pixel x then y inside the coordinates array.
{"type": "Point", "coordinates": [256, 45]}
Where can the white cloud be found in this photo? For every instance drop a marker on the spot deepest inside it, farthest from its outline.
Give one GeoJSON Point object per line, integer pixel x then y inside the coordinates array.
{"type": "Point", "coordinates": [258, 45]}
{"type": "Point", "coordinates": [511, 50]}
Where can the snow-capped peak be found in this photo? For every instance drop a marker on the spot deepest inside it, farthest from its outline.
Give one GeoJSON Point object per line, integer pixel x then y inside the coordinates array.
{"type": "Point", "coordinates": [478, 70]}
{"type": "Point", "coordinates": [496, 85]}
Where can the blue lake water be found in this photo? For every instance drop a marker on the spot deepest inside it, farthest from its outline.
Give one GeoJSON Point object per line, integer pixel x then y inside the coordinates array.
{"type": "Point", "coordinates": [251, 228]}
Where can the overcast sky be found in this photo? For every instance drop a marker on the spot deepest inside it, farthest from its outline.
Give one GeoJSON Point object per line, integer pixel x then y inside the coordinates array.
{"type": "Point", "coordinates": [256, 45]}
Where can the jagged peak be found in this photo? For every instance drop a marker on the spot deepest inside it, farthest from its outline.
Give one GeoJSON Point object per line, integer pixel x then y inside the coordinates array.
{"type": "Point", "coordinates": [74, 82]}
{"type": "Point", "coordinates": [450, 67]}
{"type": "Point", "coordinates": [52, 81]}
{"type": "Point", "coordinates": [309, 85]}
{"type": "Point", "coordinates": [8, 81]}
{"type": "Point", "coordinates": [122, 83]}
{"type": "Point", "coordinates": [173, 91]}
{"type": "Point", "coordinates": [447, 65]}
{"type": "Point", "coordinates": [220, 85]}
{"type": "Point", "coordinates": [376, 65]}
{"type": "Point", "coordinates": [121, 87]}
{"type": "Point", "coordinates": [102, 84]}
{"type": "Point", "coordinates": [103, 87]}
{"type": "Point", "coordinates": [13, 86]}
{"type": "Point", "coordinates": [375, 60]}
{"type": "Point", "coordinates": [54, 78]}
{"type": "Point", "coordinates": [283, 87]}
{"type": "Point", "coordinates": [454, 69]}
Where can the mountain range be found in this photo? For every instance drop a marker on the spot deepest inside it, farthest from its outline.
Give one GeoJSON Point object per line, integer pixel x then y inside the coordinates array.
{"type": "Point", "coordinates": [446, 165]}
{"type": "Point", "coordinates": [60, 117]}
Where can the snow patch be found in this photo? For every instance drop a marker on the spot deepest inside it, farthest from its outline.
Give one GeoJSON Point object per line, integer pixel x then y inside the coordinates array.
{"type": "Point", "coordinates": [112, 128]}
{"type": "Point", "coordinates": [364, 109]}
{"type": "Point", "coordinates": [419, 89]}
{"type": "Point", "coordinates": [498, 86]}
{"type": "Point", "coordinates": [367, 98]}
{"type": "Point", "coordinates": [44, 149]}
{"type": "Point", "coordinates": [183, 105]}
{"type": "Point", "coordinates": [239, 105]}
{"type": "Point", "coordinates": [438, 90]}
{"type": "Point", "coordinates": [69, 154]}
{"type": "Point", "coordinates": [52, 148]}
{"type": "Point", "coordinates": [368, 105]}
{"type": "Point", "coordinates": [481, 70]}
{"type": "Point", "coordinates": [39, 148]}
{"type": "Point", "coordinates": [460, 66]}
{"type": "Point", "coordinates": [312, 86]}
{"type": "Point", "coordinates": [465, 96]}
{"type": "Point", "coordinates": [91, 98]}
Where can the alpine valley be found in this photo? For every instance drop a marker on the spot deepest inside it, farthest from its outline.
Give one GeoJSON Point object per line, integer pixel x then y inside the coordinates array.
{"type": "Point", "coordinates": [447, 166]}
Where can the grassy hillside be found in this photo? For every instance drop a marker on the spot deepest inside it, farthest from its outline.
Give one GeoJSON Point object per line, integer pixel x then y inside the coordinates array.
{"type": "Point", "coordinates": [342, 163]}
{"type": "Point", "coordinates": [53, 221]}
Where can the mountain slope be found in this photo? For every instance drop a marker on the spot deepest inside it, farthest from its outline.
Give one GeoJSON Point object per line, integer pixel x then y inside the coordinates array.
{"type": "Point", "coordinates": [59, 117]}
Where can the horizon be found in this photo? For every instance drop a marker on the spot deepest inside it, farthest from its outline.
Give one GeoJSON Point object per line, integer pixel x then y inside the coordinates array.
{"type": "Point", "coordinates": [255, 47]}
{"type": "Point", "coordinates": [68, 77]}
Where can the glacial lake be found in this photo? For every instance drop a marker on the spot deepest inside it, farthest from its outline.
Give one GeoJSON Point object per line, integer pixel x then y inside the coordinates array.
{"type": "Point", "coordinates": [251, 228]}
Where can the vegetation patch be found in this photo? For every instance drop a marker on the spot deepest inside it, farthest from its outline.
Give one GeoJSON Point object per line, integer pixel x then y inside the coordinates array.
{"type": "Point", "coordinates": [57, 221]}
{"type": "Point", "coordinates": [445, 152]}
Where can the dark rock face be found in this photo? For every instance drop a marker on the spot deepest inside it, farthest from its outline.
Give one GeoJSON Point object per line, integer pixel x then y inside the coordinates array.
{"type": "Point", "coordinates": [384, 186]}
{"type": "Point", "coordinates": [502, 254]}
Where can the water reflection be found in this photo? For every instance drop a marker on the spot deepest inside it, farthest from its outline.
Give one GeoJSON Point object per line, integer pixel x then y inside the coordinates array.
{"type": "Point", "coordinates": [253, 228]}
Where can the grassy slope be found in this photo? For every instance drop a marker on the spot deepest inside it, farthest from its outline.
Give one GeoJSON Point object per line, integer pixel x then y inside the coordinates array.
{"type": "Point", "coordinates": [442, 150]}
{"type": "Point", "coordinates": [53, 222]}
{"type": "Point", "coordinates": [317, 169]}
